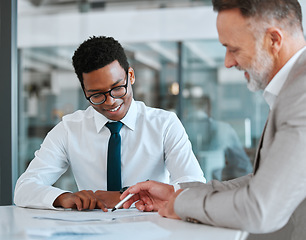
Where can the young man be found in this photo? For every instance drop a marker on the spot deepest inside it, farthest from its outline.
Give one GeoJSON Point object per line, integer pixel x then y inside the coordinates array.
{"type": "Point", "coordinates": [154, 144]}
{"type": "Point", "coordinates": [265, 40]}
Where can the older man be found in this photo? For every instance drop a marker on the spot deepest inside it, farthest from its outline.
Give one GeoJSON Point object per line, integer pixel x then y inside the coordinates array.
{"type": "Point", "coordinates": [265, 40]}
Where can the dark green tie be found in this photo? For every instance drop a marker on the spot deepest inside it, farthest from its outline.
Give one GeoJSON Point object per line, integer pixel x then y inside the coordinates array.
{"type": "Point", "coordinates": [114, 157]}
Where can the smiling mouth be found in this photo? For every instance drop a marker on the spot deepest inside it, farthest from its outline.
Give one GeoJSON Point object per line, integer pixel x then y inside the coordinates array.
{"type": "Point", "coordinates": [114, 109]}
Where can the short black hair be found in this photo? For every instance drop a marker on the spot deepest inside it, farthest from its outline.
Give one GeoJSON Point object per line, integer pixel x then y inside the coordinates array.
{"type": "Point", "coordinates": [280, 10]}
{"type": "Point", "coordinates": [97, 52]}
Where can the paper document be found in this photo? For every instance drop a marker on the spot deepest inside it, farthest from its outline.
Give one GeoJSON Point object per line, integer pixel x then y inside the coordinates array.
{"type": "Point", "coordinates": [66, 230]}
{"type": "Point", "coordinates": [94, 231]}
{"type": "Point", "coordinates": [93, 215]}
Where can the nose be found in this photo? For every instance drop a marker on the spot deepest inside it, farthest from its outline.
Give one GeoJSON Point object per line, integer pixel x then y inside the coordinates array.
{"type": "Point", "coordinates": [229, 60]}
{"type": "Point", "coordinates": [109, 100]}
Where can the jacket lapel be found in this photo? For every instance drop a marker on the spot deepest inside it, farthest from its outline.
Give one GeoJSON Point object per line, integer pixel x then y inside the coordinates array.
{"type": "Point", "coordinates": [257, 156]}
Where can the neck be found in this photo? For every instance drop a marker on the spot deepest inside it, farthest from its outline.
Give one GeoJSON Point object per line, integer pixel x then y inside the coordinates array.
{"type": "Point", "coordinates": [290, 47]}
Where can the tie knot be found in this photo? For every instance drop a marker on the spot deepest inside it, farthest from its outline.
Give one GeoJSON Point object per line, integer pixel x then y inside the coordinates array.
{"type": "Point", "coordinates": [114, 127]}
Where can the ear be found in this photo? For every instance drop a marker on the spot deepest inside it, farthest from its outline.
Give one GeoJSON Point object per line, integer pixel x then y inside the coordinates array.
{"type": "Point", "coordinates": [131, 75]}
{"type": "Point", "coordinates": [275, 38]}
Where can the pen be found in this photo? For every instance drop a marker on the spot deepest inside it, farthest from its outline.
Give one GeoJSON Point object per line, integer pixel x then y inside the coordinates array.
{"type": "Point", "coordinates": [123, 201]}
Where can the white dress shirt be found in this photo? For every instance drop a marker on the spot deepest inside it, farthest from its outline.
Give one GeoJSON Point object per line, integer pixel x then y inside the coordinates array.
{"type": "Point", "coordinates": [154, 143]}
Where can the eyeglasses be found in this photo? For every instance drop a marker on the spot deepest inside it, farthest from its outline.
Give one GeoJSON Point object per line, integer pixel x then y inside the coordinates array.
{"type": "Point", "coordinates": [116, 92]}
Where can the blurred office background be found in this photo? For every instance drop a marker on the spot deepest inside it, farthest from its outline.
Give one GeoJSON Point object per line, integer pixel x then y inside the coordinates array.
{"type": "Point", "coordinates": [172, 46]}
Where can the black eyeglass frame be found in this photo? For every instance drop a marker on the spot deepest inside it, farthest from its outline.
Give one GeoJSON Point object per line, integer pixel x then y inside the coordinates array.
{"type": "Point", "coordinates": [109, 92]}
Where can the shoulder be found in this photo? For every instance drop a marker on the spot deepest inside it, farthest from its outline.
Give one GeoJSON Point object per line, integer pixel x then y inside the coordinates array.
{"type": "Point", "coordinates": [70, 123]}
{"type": "Point", "coordinates": [78, 115]}
{"type": "Point", "coordinates": [160, 120]}
{"type": "Point", "coordinates": [291, 101]}
{"type": "Point", "coordinates": [78, 118]}
{"type": "Point", "coordinates": [154, 113]}
{"type": "Point", "coordinates": [295, 84]}
{"type": "Point", "coordinates": [298, 71]}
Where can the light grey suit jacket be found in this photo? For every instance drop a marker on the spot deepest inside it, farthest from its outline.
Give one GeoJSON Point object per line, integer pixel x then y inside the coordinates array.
{"type": "Point", "coordinates": [274, 196]}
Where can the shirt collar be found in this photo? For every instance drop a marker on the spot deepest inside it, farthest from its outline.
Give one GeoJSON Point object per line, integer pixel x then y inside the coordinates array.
{"type": "Point", "coordinates": [129, 119]}
{"type": "Point", "coordinates": [274, 87]}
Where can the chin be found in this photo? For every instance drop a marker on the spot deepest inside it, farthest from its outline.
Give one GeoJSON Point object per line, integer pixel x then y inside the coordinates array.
{"type": "Point", "coordinates": [113, 118]}
{"type": "Point", "coordinates": [116, 116]}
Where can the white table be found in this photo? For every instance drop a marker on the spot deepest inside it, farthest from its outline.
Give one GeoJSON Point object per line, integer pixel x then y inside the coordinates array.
{"type": "Point", "coordinates": [14, 221]}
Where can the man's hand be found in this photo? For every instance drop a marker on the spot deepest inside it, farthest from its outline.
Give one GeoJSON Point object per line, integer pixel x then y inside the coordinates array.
{"type": "Point", "coordinates": [168, 209]}
{"type": "Point", "coordinates": [109, 198]}
{"type": "Point", "coordinates": [81, 200]}
{"type": "Point", "coordinates": [149, 195]}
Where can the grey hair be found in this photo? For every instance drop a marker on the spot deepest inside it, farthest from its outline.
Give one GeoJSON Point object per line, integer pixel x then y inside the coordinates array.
{"type": "Point", "coordinates": [285, 14]}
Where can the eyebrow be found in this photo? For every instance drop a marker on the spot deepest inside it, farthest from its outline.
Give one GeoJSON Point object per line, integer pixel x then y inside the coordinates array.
{"type": "Point", "coordinates": [99, 90]}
